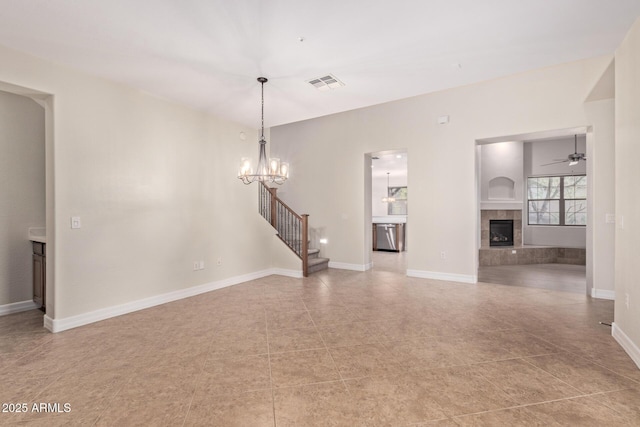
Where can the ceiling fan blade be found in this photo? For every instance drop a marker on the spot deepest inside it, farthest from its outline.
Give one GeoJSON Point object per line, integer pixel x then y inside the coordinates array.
{"type": "Point", "coordinates": [555, 163]}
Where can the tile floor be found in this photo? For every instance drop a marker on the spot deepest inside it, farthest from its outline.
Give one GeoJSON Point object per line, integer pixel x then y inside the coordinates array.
{"type": "Point", "coordinates": [340, 348]}
{"type": "Point", "coordinates": [559, 277]}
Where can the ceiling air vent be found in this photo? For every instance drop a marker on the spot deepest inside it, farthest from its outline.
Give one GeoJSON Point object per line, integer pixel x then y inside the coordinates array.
{"type": "Point", "coordinates": [326, 82]}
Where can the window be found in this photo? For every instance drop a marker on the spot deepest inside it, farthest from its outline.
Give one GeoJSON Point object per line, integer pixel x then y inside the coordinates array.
{"type": "Point", "coordinates": [557, 200]}
{"type": "Point", "coordinates": [399, 206]}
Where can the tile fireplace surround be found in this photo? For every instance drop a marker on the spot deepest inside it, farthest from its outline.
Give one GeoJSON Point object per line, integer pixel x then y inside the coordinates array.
{"type": "Point", "coordinates": [529, 254]}
{"type": "Point", "coordinates": [488, 215]}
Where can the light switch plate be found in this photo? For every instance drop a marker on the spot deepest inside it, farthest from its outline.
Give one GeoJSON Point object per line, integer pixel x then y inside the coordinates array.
{"type": "Point", "coordinates": [75, 222]}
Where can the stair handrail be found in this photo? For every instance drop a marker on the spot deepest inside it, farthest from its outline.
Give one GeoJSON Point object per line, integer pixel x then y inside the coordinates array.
{"type": "Point", "coordinates": [271, 208]}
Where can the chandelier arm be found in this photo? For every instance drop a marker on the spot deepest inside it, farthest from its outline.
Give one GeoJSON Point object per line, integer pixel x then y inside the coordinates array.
{"type": "Point", "coordinates": [268, 170]}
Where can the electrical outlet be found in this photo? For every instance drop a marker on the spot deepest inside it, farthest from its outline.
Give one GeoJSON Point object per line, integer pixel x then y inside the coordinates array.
{"type": "Point", "coordinates": [75, 222]}
{"type": "Point", "coordinates": [196, 266]}
{"type": "Point", "coordinates": [219, 261]}
{"type": "Point", "coordinates": [443, 255]}
{"type": "Point", "coordinates": [201, 265]}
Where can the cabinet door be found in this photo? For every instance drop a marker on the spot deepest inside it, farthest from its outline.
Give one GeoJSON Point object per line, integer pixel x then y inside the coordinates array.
{"type": "Point", "coordinates": [38, 282]}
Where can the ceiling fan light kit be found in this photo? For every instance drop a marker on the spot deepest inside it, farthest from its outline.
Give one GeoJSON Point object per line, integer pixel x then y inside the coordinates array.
{"type": "Point", "coordinates": [574, 158]}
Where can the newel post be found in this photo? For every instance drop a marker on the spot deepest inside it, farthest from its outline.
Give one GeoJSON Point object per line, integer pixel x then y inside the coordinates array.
{"type": "Point", "coordinates": [274, 218]}
{"type": "Point", "coordinates": [305, 245]}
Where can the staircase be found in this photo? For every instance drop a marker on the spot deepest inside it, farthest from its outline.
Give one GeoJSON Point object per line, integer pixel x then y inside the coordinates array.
{"type": "Point", "coordinates": [315, 263]}
{"type": "Point", "coordinates": [293, 229]}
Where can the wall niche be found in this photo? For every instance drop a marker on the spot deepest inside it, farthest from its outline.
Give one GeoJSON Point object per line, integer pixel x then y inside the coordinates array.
{"type": "Point", "coordinates": [502, 188]}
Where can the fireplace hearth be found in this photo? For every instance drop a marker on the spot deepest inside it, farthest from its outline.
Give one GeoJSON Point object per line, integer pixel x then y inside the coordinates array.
{"type": "Point", "coordinates": [501, 232]}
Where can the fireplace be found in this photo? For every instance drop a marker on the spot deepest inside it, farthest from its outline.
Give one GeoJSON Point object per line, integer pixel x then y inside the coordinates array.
{"type": "Point", "coordinates": [501, 232]}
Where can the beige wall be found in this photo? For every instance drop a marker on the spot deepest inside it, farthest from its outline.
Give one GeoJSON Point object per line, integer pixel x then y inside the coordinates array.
{"type": "Point", "coordinates": [154, 184]}
{"type": "Point", "coordinates": [601, 182]}
{"type": "Point", "coordinates": [503, 159]}
{"type": "Point", "coordinates": [627, 253]}
{"type": "Point", "coordinates": [539, 153]}
{"type": "Point", "coordinates": [327, 156]}
{"type": "Point", "coordinates": [22, 192]}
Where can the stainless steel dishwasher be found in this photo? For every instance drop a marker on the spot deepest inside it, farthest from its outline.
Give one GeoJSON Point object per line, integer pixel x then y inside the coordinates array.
{"type": "Point", "coordinates": [388, 237]}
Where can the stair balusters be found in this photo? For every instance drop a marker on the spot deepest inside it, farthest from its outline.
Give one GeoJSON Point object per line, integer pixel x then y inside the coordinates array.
{"type": "Point", "coordinates": [293, 229]}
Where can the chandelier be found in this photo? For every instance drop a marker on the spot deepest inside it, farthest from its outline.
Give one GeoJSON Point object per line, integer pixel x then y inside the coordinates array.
{"type": "Point", "coordinates": [272, 170]}
{"type": "Point", "coordinates": [388, 199]}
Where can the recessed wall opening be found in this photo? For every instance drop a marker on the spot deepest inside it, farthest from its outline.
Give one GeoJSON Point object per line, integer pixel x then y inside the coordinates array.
{"type": "Point", "coordinates": [530, 233]}
{"type": "Point", "coordinates": [30, 125]}
{"type": "Point", "coordinates": [389, 207]}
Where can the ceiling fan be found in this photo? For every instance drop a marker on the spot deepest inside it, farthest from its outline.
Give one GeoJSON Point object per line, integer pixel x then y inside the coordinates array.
{"type": "Point", "coordinates": [573, 159]}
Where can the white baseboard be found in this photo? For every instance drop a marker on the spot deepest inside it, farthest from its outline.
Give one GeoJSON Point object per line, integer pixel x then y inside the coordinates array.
{"type": "Point", "coordinates": [603, 294]}
{"type": "Point", "coordinates": [625, 342]}
{"type": "Point", "coordinates": [17, 307]}
{"type": "Point", "coordinates": [450, 277]}
{"type": "Point", "coordinates": [353, 267]}
{"type": "Point", "coordinates": [48, 322]}
{"type": "Point", "coordinates": [59, 325]}
{"type": "Point", "coordinates": [285, 272]}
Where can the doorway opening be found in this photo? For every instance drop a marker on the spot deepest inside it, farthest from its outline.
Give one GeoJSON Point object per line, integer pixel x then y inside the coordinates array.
{"type": "Point", "coordinates": [389, 208]}
{"type": "Point", "coordinates": [30, 116]}
{"type": "Point", "coordinates": [534, 210]}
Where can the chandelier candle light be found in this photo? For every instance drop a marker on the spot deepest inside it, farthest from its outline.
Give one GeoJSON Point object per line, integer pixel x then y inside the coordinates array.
{"type": "Point", "coordinates": [267, 171]}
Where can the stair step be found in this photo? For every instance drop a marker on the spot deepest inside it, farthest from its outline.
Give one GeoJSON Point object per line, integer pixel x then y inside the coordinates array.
{"type": "Point", "coordinates": [313, 253]}
{"type": "Point", "coordinates": [317, 264]}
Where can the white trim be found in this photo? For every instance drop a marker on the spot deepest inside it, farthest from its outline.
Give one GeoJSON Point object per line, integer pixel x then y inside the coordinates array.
{"type": "Point", "coordinates": [289, 273]}
{"type": "Point", "coordinates": [17, 307]}
{"type": "Point", "coordinates": [48, 322]}
{"type": "Point", "coordinates": [625, 342]}
{"type": "Point", "coordinates": [59, 325]}
{"type": "Point", "coordinates": [603, 294]}
{"type": "Point", "coordinates": [501, 205]}
{"type": "Point", "coordinates": [354, 267]}
{"type": "Point", "coordinates": [450, 277]}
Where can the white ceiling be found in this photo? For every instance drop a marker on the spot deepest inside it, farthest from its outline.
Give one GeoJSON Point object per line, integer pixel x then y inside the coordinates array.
{"type": "Point", "coordinates": [208, 53]}
{"type": "Point", "coordinates": [395, 163]}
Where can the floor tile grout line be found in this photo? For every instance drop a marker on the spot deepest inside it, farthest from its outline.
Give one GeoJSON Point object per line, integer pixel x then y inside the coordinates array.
{"type": "Point", "coordinates": [300, 385]}
{"type": "Point", "coordinates": [580, 392]}
{"type": "Point", "coordinates": [580, 355]}
{"type": "Point", "coordinates": [611, 407]}
{"type": "Point", "coordinates": [527, 405]}
{"type": "Point", "coordinates": [327, 350]}
{"type": "Point", "coordinates": [273, 397]}
{"type": "Point", "coordinates": [546, 319]}
{"type": "Point", "coordinates": [588, 361]}
{"type": "Point", "coordinates": [608, 369]}
{"type": "Point", "coordinates": [197, 382]}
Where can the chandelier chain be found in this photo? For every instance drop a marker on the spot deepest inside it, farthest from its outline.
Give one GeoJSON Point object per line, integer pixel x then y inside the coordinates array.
{"type": "Point", "coordinates": [268, 170]}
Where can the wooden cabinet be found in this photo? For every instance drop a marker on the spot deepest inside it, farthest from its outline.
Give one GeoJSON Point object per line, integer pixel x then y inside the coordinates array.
{"type": "Point", "coordinates": [39, 274]}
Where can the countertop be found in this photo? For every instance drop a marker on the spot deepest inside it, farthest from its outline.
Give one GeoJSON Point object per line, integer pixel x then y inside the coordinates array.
{"type": "Point", "coordinates": [389, 219]}
{"type": "Point", "coordinates": [37, 234]}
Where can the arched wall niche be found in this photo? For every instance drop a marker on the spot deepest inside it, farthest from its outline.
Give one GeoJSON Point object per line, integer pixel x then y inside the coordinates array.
{"type": "Point", "coordinates": [502, 188]}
